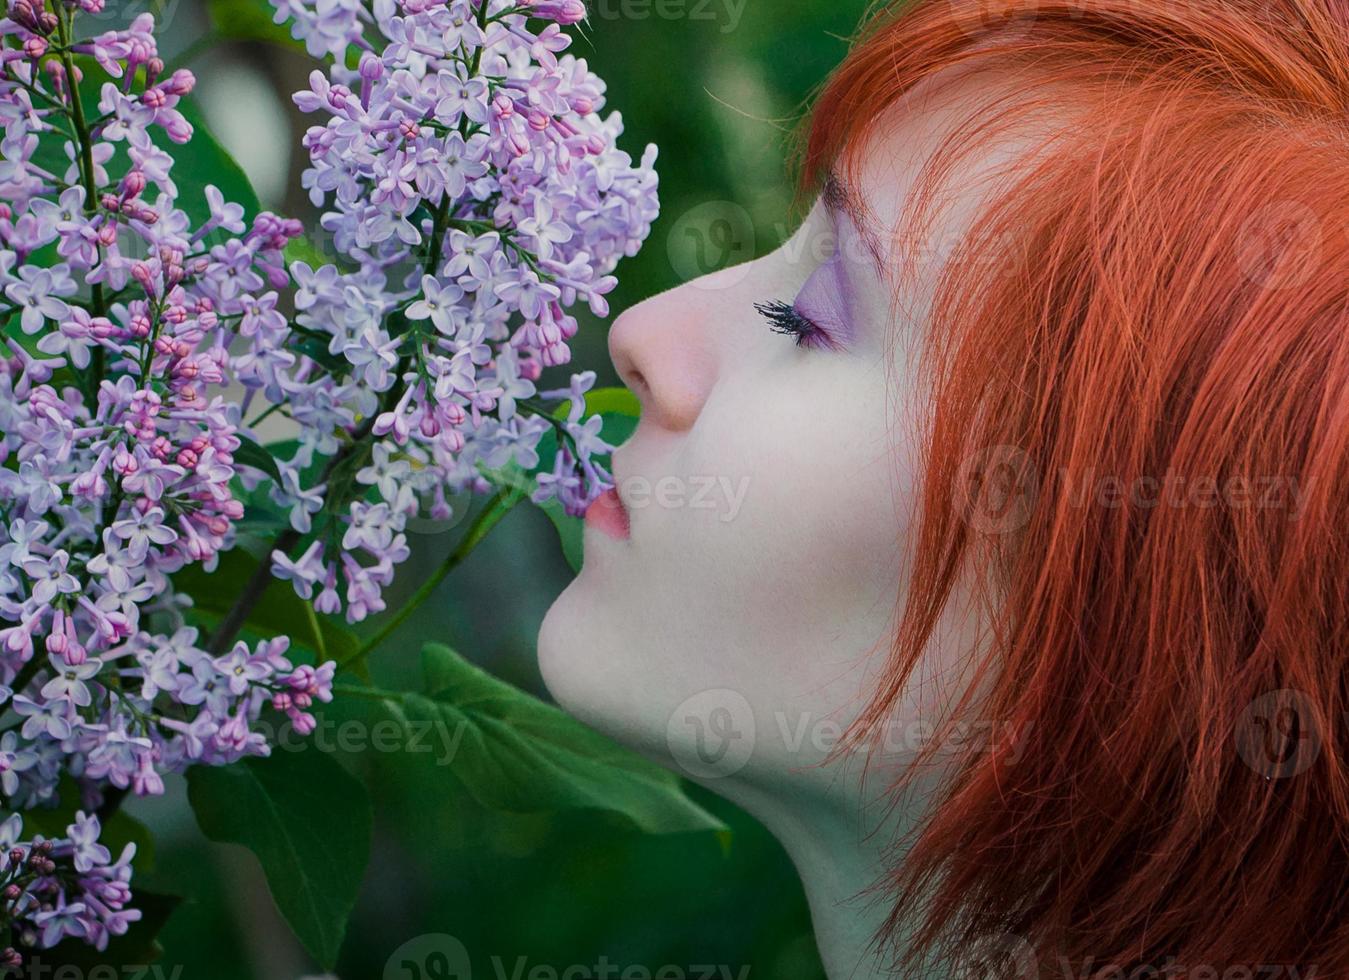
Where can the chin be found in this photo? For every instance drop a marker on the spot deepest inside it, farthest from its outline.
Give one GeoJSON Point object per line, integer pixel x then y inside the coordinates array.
{"type": "Point", "coordinates": [588, 671]}
{"type": "Point", "coordinates": [562, 648]}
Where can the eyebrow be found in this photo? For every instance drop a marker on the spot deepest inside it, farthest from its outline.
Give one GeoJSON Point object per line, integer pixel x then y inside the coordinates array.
{"type": "Point", "coordinates": [840, 198]}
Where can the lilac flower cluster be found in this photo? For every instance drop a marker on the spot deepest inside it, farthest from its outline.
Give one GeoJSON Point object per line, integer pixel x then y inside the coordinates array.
{"type": "Point", "coordinates": [118, 448]}
{"type": "Point", "coordinates": [68, 887]}
{"type": "Point", "coordinates": [474, 194]}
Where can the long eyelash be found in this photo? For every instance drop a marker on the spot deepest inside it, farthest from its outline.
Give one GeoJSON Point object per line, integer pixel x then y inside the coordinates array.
{"type": "Point", "coordinates": [783, 318]}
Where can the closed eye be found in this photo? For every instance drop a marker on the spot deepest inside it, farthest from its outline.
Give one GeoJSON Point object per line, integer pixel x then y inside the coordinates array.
{"type": "Point", "coordinates": [784, 318]}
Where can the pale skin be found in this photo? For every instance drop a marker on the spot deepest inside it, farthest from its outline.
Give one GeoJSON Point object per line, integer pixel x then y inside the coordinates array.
{"type": "Point", "coordinates": [735, 651]}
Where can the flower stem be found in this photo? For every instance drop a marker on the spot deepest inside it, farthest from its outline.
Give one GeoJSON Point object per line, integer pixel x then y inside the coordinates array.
{"type": "Point", "coordinates": [257, 584]}
{"type": "Point", "coordinates": [320, 645]}
{"type": "Point", "coordinates": [64, 24]}
{"type": "Point", "coordinates": [497, 507]}
{"type": "Point", "coordinates": [262, 576]}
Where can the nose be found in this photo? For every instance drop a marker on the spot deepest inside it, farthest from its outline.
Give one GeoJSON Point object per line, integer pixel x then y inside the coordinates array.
{"type": "Point", "coordinates": [661, 349]}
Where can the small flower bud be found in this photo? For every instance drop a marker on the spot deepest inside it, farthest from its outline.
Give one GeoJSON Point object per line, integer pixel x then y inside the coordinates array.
{"type": "Point", "coordinates": [371, 68]}
{"type": "Point", "coordinates": [179, 130]}
{"type": "Point", "coordinates": [181, 82]}
{"type": "Point", "coordinates": [133, 183]}
{"type": "Point", "coordinates": [338, 96]}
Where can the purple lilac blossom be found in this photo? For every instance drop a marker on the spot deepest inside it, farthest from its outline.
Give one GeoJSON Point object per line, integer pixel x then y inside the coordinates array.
{"type": "Point", "coordinates": [474, 193]}
{"type": "Point", "coordinates": [117, 454]}
{"type": "Point", "coordinates": [64, 887]}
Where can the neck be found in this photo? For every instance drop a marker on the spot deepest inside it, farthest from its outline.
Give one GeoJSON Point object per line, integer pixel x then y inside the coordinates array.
{"type": "Point", "coordinates": [845, 914]}
{"type": "Point", "coordinates": [840, 857]}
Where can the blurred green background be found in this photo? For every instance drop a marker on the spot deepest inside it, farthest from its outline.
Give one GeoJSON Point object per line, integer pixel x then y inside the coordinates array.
{"type": "Point", "coordinates": [719, 85]}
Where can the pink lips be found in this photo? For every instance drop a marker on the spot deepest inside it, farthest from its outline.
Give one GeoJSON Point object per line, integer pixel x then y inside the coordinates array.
{"type": "Point", "coordinates": [607, 514]}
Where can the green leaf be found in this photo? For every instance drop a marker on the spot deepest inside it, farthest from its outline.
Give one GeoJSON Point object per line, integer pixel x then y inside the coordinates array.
{"type": "Point", "coordinates": [280, 612]}
{"type": "Point", "coordinates": [308, 822]}
{"type": "Point", "coordinates": [303, 250]}
{"type": "Point", "coordinates": [605, 401]}
{"type": "Point", "coordinates": [251, 454]}
{"type": "Point", "coordinates": [516, 753]}
{"type": "Point", "coordinates": [613, 401]}
{"type": "Point", "coordinates": [249, 20]}
{"type": "Point", "coordinates": [317, 351]}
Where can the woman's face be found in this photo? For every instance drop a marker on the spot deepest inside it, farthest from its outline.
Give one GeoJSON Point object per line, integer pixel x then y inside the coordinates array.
{"type": "Point", "coordinates": [738, 625]}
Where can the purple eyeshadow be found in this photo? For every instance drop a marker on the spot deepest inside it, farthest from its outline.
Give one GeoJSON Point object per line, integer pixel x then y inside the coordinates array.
{"type": "Point", "coordinates": [826, 300]}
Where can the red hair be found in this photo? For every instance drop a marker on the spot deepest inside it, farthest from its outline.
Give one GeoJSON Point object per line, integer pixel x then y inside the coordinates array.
{"type": "Point", "coordinates": [1160, 301]}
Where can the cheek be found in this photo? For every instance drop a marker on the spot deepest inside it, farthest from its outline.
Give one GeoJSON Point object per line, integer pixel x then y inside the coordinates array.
{"type": "Point", "coordinates": [816, 539]}
{"type": "Point", "coordinates": [786, 574]}
{"type": "Point", "coordinates": [775, 595]}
